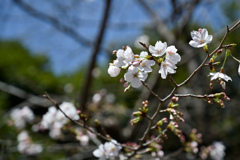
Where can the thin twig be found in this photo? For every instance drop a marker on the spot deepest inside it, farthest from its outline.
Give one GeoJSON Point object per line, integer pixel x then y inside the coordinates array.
{"type": "Point", "coordinates": [159, 99]}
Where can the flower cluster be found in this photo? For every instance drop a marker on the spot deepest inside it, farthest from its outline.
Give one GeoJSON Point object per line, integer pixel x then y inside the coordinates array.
{"type": "Point", "coordinates": [22, 116]}
{"type": "Point", "coordinates": [138, 66]}
{"type": "Point", "coordinates": [107, 150]}
{"type": "Point", "coordinates": [54, 119]}
{"type": "Point", "coordinates": [26, 146]}
{"type": "Point", "coordinates": [218, 151]}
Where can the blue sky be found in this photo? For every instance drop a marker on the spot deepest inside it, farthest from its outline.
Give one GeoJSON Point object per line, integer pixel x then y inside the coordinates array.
{"type": "Point", "coordinates": [66, 55]}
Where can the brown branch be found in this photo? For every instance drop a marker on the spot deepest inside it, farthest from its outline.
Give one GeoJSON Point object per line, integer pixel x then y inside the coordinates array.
{"type": "Point", "coordinates": [150, 90]}
{"type": "Point", "coordinates": [86, 86]}
{"type": "Point", "coordinates": [195, 96]}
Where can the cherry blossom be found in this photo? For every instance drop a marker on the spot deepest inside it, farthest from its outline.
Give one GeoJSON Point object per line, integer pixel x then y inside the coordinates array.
{"type": "Point", "coordinates": [113, 71]}
{"type": "Point", "coordinates": [22, 116]}
{"type": "Point", "coordinates": [54, 119]}
{"type": "Point", "coordinates": [218, 151]}
{"type": "Point", "coordinates": [172, 54]}
{"type": "Point", "coordinates": [124, 58]}
{"type": "Point", "coordinates": [134, 76]}
{"type": "Point", "coordinates": [26, 146]}
{"type": "Point", "coordinates": [100, 152]}
{"type": "Point", "coordinates": [120, 58]}
{"type": "Point", "coordinates": [159, 49]}
{"type": "Point", "coordinates": [109, 149]}
{"type": "Point", "coordinates": [200, 38]}
{"type": "Point", "coordinates": [145, 64]}
{"type": "Point", "coordinates": [217, 75]}
{"type": "Point", "coordinates": [129, 56]}
{"type": "Point", "coordinates": [167, 66]}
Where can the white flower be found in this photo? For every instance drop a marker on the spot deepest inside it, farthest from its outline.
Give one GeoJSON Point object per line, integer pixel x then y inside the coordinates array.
{"type": "Point", "coordinates": [124, 58]}
{"type": "Point", "coordinates": [172, 54]}
{"type": "Point", "coordinates": [217, 75]}
{"type": "Point", "coordinates": [49, 118]}
{"type": "Point", "coordinates": [134, 76]}
{"type": "Point", "coordinates": [26, 146]}
{"type": "Point", "coordinates": [100, 152]}
{"type": "Point", "coordinates": [54, 119]}
{"type": "Point", "coordinates": [120, 58]}
{"type": "Point", "coordinates": [129, 56]}
{"type": "Point", "coordinates": [167, 66]}
{"type": "Point", "coordinates": [159, 49]}
{"type": "Point", "coordinates": [239, 70]}
{"type": "Point", "coordinates": [200, 38]}
{"type": "Point", "coordinates": [218, 151]}
{"type": "Point", "coordinates": [113, 71]}
{"type": "Point", "coordinates": [112, 148]}
{"type": "Point", "coordinates": [23, 136]}
{"type": "Point", "coordinates": [145, 64]}
{"type": "Point", "coordinates": [21, 116]}
{"type": "Point", "coordinates": [108, 150]}
{"type": "Point", "coordinates": [69, 109]}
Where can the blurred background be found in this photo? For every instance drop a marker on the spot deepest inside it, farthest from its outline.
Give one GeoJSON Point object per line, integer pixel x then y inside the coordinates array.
{"type": "Point", "coordinates": [65, 47]}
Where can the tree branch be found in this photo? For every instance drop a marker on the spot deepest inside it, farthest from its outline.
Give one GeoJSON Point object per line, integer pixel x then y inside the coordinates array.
{"type": "Point", "coordinates": [86, 86]}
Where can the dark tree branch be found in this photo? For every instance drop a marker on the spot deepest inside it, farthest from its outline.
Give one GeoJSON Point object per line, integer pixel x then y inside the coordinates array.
{"type": "Point", "coordinates": [97, 45]}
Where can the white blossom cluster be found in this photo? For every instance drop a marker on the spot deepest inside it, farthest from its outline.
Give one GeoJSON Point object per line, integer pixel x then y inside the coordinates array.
{"type": "Point", "coordinates": [54, 119]}
{"type": "Point", "coordinates": [108, 150]}
{"type": "Point", "coordinates": [138, 66]}
{"type": "Point", "coordinates": [26, 146]}
{"type": "Point", "coordinates": [218, 151]}
{"type": "Point", "coordinates": [21, 116]}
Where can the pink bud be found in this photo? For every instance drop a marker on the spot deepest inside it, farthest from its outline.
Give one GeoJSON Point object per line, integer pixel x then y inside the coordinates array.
{"type": "Point", "coordinates": [219, 51]}
{"type": "Point", "coordinates": [223, 84]}
{"type": "Point", "coordinates": [136, 63]}
{"type": "Point", "coordinates": [125, 84]}
{"type": "Point", "coordinates": [175, 99]}
{"type": "Point", "coordinates": [164, 120]}
{"type": "Point", "coordinates": [78, 111]}
{"type": "Point", "coordinates": [121, 80]}
{"type": "Point", "coordinates": [211, 85]}
{"type": "Point", "coordinates": [114, 52]}
{"type": "Point", "coordinates": [200, 30]}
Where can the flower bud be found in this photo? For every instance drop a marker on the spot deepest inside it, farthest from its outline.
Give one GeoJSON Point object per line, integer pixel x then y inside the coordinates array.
{"type": "Point", "coordinates": [137, 113]}
{"type": "Point", "coordinates": [164, 120]}
{"type": "Point", "coordinates": [211, 84]}
{"type": "Point", "coordinates": [233, 44]}
{"type": "Point", "coordinates": [228, 52]}
{"type": "Point", "coordinates": [223, 84]}
{"type": "Point", "coordinates": [205, 48]}
{"type": "Point", "coordinates": [125, 85]}
{"type": "Point", "coordinates": [136, 63]}
{"type": "Point", "coordinates": [114, 52]}
{"type": "Point", "coordinates": [175, 99]}
{"type": "Point", "coordinates": [121, 80]}
{"type": "Point", "coordinates": [219, 52]}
